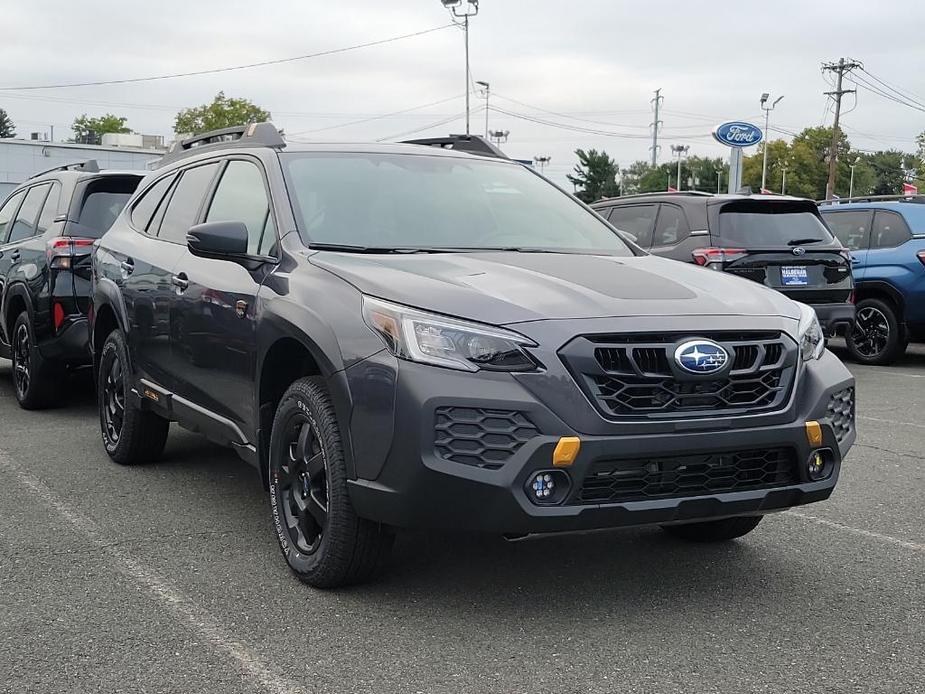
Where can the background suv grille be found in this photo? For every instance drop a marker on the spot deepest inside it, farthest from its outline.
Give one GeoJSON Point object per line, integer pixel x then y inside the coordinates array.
{"type": "Point", "coordinates": [840, 412]}
{"type": "Point", "coordinates": [631, 375]}
{"type": "Point", "coordinates": [479, 437]}
{"type": "Point", "coordinates": [611, 481]}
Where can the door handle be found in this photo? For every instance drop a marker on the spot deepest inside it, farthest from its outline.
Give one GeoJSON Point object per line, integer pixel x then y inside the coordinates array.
{"type": "Point", "coordinates": [181, 282]}
{"type": "Point", "coordinates": [14, 256]}
{"type": "Point", "coordinates": [128, 267]}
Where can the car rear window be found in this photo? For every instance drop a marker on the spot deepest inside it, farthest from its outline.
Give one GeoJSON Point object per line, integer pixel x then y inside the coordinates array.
{"type": "Point", "coordinates": [102, 201]}
{"type": "Point", "coordinates": [769, 224]}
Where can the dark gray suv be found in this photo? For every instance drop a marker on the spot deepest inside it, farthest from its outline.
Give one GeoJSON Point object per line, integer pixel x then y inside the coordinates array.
{"type": "Point", "coordinates": [405, 335]}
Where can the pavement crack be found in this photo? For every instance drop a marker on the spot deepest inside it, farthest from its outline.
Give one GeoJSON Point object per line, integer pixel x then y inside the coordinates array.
{"type": "Point", "coordinates": [901, 454]}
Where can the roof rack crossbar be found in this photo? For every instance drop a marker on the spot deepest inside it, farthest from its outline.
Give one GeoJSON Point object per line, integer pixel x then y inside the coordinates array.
{"type": "Point", "coordinates": [908, 197]}
{"type": "Point", "coordinates": [88, 165]}
{"type": "Point", "coordinates": [474, 144]}
{"type": "Point", "coordinates": [250, 135]}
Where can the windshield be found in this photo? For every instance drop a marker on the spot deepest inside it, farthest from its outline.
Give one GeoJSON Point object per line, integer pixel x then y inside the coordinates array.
{"type": "Point", "coordinates": [386, 201]}
{"type": "Point", "coordinates": [751, 225]}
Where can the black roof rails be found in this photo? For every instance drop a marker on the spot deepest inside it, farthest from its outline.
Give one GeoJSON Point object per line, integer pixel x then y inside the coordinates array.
{"type": "Point", "coordinates": [474, 144]}
{"type": "Point", "coordinates": [908, 197]}
{"type": "Point", "coordinates": [87, 165]}
{"type": "Point", "coordinates": [697, 193]}
{"type": "Point", "coordinates": [250, 135]}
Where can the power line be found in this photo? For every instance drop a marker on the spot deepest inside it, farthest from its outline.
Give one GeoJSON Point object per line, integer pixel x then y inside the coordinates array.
{"type": "Point", "coordinates": [425, 127]}
{"type": "Point", "coordinates": [874, 89]}
{"type": "Point", "coordinates": [263, 63]}
{"type": "Point", "coordinates": [906, 94]}
{"type": "Point", "coordinates": [379, 117]}
{"type": "Point", "coordinates": [568, 126]}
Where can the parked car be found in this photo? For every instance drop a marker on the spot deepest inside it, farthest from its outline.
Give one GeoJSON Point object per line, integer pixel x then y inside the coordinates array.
{"type": "Point", "coordinates": [47, 226]}
{"type": "Point", "coordinates": [886, 237]}
{"type": "Point", "coordinates": [401, 335]}
{"type": "Point", "coordinates": [776, 240]}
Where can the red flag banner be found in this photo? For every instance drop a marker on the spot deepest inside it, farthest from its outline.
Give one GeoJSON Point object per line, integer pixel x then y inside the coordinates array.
{"type": "Point", "coordinates": [672, 189]}
{"type": "Point", "coordinates": [909, 189]}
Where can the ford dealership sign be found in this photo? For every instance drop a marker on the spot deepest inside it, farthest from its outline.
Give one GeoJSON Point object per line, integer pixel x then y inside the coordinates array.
{"type": "Point", "coordinates": [737, 134]}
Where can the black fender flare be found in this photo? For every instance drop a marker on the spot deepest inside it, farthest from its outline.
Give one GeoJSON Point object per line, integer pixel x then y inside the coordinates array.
{"type": "Point", "coordinates": [884, 288]}
{"type": "Point", "coordinates": [106, 293]}
{"type": "Point", "coordinates": [13, 290]}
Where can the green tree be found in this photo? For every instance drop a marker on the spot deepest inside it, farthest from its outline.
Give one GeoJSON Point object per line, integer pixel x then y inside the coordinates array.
{"type": "Point", "coordinates": [84, 125]}
{"type": "Point", "coordinates": [7, 129]}
{"type": "Point", "coordinates": [223, 112]}
{"type": "Point", "coordinates": [697, 173]}
{"type": "Point", "coordinates": [595, 175]}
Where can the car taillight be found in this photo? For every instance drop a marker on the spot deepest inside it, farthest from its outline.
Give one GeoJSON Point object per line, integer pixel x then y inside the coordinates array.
{"type": "Point", "coordinates": [851, 297]}
{"type": "Point", "coordinates": [61, 250]}
{"type": "Point", "coordinates": [921, 256]}
{"type": "Point", "coordinates": [708, 256]}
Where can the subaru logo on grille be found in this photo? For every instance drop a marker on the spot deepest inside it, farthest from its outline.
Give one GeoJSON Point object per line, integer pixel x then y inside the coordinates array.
{"type": "Point", "coordinates": [701, 357]}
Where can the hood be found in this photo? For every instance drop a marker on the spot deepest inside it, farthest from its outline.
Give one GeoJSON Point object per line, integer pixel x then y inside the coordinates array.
{"type": "Point", "coordinates": [507, 287]}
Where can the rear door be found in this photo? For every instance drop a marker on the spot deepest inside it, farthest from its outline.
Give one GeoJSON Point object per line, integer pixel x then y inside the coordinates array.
{"type": "Point", "coordinates": [886, 259]}
{"type": "Point", "coordinates": [782, 244]}
{"type": "Point", "coordinates": [637, 220]}
{"type": "Point", "coordinates": [852, 229]}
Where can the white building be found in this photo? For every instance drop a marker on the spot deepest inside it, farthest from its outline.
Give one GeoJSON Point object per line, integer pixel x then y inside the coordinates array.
{"type": "Point", "coordinates": [20, 159]}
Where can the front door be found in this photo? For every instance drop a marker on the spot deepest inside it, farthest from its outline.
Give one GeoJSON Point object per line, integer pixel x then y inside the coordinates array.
{"type": "Point", "coordinates": [213, 321]}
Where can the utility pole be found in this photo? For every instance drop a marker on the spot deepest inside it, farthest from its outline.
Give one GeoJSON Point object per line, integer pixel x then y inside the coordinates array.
{"type": "Point", "coordinates": [463, 9]}
{"type": "Point", "coordinates": [657, 101]}
{"type": "Point", "coordinates": [680, 150]}
{"type": "Point", "coordinates": [841, 68]}
{"type": "Point", "coordinates": [767, 137]}
{"type": "Point", "coordinates": [541, 160]}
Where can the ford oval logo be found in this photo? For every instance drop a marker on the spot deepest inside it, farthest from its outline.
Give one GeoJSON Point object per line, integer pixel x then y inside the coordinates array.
{"type": "Point", "coordinates": [701, 357]}
{"type": "Point", "coordinates": [738, 134]}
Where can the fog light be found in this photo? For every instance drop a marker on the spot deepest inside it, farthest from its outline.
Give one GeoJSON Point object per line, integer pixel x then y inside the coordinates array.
{"type": "Point", "coordinates": [816, 467]}
{"type": "Point", "coordinates": [548, 487]}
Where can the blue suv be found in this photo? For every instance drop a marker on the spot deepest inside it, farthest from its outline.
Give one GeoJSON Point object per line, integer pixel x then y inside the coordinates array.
{"type": "Point", "coordinates": [886, 237]}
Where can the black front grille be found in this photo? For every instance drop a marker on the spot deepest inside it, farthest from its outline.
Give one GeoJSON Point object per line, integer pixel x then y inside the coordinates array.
{"type": "Point", "coordinates": [632, 376]}
{"type": "Point", "coordinates": [611, 481]}
{"type": "Point", "coordinates": [840, 412]}
{"type": "Point", "coordinates": [480, 437]}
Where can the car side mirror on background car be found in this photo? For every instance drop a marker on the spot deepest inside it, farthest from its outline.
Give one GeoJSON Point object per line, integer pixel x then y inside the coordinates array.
{"type": "Point", "coordinates": [220, 240]}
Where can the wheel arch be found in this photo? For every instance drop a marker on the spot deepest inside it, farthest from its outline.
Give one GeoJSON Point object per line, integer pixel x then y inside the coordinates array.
{"type": "Point", "coordinates": [17, 300]}
{"type": "Point", "coordinates": [884, 291]}
{"type": "Point", "coordinates": [108, 314]}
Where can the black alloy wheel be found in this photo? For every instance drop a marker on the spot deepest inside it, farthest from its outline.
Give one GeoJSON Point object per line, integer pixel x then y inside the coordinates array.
{"type": "Point", "coordinates": [871, 332]}
{"type": "Point", "coordinates": [302, 484]}
{"type": "Point", "coordinates": [22, 360]}
{"type": "Point", "coordinates": [113, 402]}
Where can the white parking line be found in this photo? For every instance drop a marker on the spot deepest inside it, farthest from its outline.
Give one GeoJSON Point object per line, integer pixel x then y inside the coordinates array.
{"type": "Point", "coordinates": [892, 421]}
{"type": "Point", "coordinates": [887, 539]}
{"type": "Point", "coordinates": [158, 587]}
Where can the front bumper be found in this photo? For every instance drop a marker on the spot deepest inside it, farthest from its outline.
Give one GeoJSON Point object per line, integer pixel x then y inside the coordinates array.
{"type": "Point", "coordinates": [403, 480]}
{"type": "Point", "coordinates": [835, 318]}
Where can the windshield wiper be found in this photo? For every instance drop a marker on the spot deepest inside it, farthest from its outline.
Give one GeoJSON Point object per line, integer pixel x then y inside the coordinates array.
{"type": "Point", "coordinates": [801, 242]}
{"type": "Point", "coordinates": [349, 248]}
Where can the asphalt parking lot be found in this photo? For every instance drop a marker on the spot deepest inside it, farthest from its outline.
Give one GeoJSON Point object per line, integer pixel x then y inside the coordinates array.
{"type": "Point", "coordinates": [167, 578]}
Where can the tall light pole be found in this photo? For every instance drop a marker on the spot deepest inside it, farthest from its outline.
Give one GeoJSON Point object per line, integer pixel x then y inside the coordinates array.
{"type": "Point", "coordinates": [767, 119]}
{"type": "Point", "coordinates": [486, 90]}
{"type": "Point", "coordinates": [680, 150]}
{"type": "Point", "coordinates": [851, 184]}
{"type": "Point", "coordinates": [498, 136]}
{"type": "Point", "coordinates": [541, 160]}
{"type": "Point", "coordinates": [719, 181]}
{"type": "Point", "coordinates": [462, 10]}
{"type": "Point", "coordinates": [783, 178]}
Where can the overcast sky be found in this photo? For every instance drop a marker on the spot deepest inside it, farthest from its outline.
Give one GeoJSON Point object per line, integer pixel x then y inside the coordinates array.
{"type": "Point", "coordinates": [594, 60]}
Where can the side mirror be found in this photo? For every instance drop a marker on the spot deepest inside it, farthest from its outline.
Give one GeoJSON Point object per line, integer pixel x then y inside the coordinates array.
{"type": "Point", "coordinates": [221, 240]}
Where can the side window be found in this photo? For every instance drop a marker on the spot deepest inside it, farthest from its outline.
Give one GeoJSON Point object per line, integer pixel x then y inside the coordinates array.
{"type": "Point", "coordinates": [241, 197]}
{"type": "Point", "coordinates": [184, 205]}
{"type": "Point", "coordinates": [145, 208]}
{"type": "Point", "coordinates": [635, 219]}
{"type": "Point", "coordinates": [24, 226]}
{"type": "Point", "coordinates": [50, 209]}
{"type": "Point", "coordinates": [851, 228]}
{"type": "Point", "coordinates": [889, 230]}
{"type": "Point", "coordinates": [7, 212]}
{"type": "Point", "coordinates": [671, 226]}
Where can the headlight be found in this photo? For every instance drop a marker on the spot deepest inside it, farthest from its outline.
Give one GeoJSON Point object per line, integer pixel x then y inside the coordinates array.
{"type": "Point", "coordinates": [431, 339]}
{"type": "Point", "coordinates": [812, 341]}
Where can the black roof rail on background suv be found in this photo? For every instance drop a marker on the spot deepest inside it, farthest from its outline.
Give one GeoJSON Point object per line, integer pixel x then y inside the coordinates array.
{"type": "Point", "coordinates": [474, 144]}
{"type": "Point", "coordinates": [87, 165]}
{"type": "Point", "coordinates": [909, 197]}
{"type": "Point", "coordinates": [251, 135]}
{"type": "Point", "coordinates": [699, 193]}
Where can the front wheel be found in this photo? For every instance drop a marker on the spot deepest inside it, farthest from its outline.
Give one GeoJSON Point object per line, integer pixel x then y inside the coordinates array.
{"type": "Point", "coordinates": [714, 531]}
{"type": "Point", "coordinates": [877, 337]}
{"type": "Point", "coordinates": [323, 540]}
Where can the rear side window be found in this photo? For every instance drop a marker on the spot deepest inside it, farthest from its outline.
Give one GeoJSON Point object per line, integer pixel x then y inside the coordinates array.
{"type": "Point", "coordinates": [635, 219]}
{"type": "Point", "coordinates": [145, 208]}
{"type": "Point", "coordinates": [769, 224]}
{"type": "Point", "coordinates": [184, 205]}
{"type": "Point", "coordinates": [241, 197]}
{"type": "Point", "coordinates": [851, 228]}
{"type": "Point", "coordinates": [50, 209]}
{"type": "Point", "coordinates": [7, 212]}
{"type": "Point", "coordinates": [103, 200]}
{"type": "Point", "coordinates": [671, 227]}
{"type": "Point", "coordinates": [889, 230]}
{"type": "Point", "coordinates": [24, 226]}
